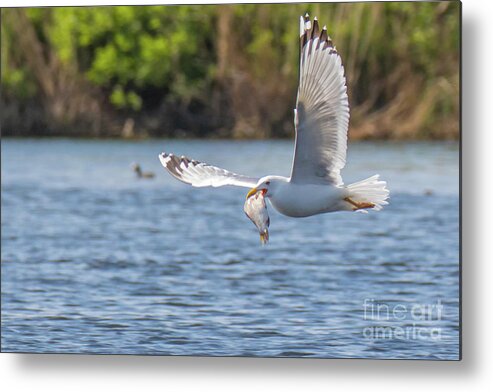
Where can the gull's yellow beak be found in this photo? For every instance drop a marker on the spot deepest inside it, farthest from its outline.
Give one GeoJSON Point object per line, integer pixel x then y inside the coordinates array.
{"type": "Point", "coordinates": [251, 192]}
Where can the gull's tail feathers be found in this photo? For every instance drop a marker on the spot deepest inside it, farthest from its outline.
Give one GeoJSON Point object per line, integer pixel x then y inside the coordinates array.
{"type": "Point", "coordinates": [371, 193]}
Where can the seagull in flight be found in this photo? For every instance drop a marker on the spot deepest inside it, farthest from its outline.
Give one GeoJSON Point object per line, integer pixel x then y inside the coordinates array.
{"type": "Point", "coordinates": [321, 119]}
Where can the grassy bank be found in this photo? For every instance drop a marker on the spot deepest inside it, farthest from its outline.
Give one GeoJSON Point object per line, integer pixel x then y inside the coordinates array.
{"type": "Point", "coordinates": [224, 71]}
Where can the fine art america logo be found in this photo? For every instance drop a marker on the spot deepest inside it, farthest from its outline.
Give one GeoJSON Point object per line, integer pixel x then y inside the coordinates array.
{"type": "Point", "coordinates": [402, 321]}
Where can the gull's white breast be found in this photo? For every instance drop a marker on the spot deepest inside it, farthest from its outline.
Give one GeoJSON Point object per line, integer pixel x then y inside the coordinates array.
{"type": "Point", "coordinates": [302, 200]}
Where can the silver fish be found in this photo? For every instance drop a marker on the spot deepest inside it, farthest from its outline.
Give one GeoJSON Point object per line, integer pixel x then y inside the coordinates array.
{"type": "Point", "coordinates": [256, 209]}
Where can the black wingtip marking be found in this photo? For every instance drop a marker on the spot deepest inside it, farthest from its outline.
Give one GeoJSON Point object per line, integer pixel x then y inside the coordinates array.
{"type": "Point", "coordinates": [323, 35]}
{"type": "Point", "coordinates": [315, 28]}
{"type": "Point", "coordinates": [174, 163]}
{"type": "Point", "coordinates": [312, 31]}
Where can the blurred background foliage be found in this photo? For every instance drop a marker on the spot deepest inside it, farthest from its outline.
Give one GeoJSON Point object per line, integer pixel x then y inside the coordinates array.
{"type": "Point", "coordinates": [224, 70]}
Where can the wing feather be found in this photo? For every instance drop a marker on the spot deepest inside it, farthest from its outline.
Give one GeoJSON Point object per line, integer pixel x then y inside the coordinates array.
{"type": "Point", "coordinates": [322, 110]}
{"type": "Point", "coordinates": [201, 174]}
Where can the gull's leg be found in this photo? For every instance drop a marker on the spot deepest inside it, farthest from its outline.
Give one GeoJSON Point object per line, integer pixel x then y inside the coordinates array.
{"type": "Point", "coordinates": [358, 205]}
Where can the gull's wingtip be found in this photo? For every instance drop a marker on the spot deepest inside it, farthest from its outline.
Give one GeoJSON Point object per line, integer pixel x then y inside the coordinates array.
{"type": "Point", "coordinates": [164, 158]}
{"type": "Point", "coordinates": [307, 22]}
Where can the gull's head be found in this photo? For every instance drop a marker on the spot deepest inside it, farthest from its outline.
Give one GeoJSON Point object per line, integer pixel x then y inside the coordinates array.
{"type": "Point", "coordinates": [266, 185]}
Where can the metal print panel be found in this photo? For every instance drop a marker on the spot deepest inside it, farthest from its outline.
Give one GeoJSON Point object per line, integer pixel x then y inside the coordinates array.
{"type": "Point", "coordinates": [136, 139]}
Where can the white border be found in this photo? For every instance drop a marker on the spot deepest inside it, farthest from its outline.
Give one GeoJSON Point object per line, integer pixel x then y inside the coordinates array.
{"type": "Point", "coordinates": [124, 373]}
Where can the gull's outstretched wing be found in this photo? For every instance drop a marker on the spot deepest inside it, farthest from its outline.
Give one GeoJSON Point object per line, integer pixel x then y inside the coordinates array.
{"type": "Point", "coordinates": [201, 174]}
{"type": "Point", "coordinates": [322, 109]}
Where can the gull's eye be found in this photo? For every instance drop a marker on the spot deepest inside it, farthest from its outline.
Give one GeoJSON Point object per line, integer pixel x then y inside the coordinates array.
{"type": "Point", "coordinates": [267, 182]}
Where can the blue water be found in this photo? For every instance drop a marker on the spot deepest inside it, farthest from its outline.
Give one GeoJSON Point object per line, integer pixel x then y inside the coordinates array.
{"type": "Point", "coordinates": [97, 261]}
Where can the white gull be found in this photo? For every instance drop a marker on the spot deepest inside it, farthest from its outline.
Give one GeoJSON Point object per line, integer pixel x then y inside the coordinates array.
{"type": "Point", "coordinates": [321, 121]}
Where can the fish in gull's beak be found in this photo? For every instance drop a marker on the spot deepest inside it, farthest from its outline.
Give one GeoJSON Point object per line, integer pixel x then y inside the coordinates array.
{"type": "Point", "coordinates": [256, 210]}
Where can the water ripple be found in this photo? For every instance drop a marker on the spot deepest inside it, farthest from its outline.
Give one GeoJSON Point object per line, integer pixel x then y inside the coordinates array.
{"type": "Point", "coordinates": [95, 261]}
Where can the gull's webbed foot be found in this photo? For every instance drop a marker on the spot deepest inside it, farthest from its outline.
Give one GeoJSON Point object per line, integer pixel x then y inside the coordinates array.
{"type": "Point", "coordinates": [359, 205]}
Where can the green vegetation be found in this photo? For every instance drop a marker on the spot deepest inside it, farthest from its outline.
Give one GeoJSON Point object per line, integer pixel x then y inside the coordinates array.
{"type": "Point", "coordinates": [224, 71]}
